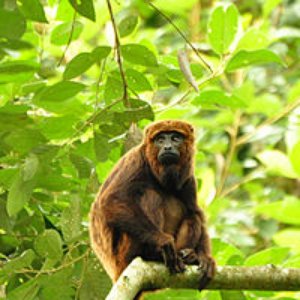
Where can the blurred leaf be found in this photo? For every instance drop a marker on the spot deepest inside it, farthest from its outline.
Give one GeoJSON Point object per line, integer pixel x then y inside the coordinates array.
{"type": "Point", "coordinates": [295, 157]}
{"type": "Point", "coordinates": [12, 24]}
{"type": "Point", "coordinates": [277, 163]}
{"type": "Point", "coordinates": [284, 237]}
{"type": "Point", "coordinates": [70, 221]}
{"type": "Point", "coordinates": [78, 65]}
{"type": "Point", "coordinates": [58, 285]}
{"type": "Point", "coordinates": [218, 97]}
{"type": "Point", "coordinates": [30, 167]}
{"type": "Point", "coordinates": [49, 245]}
{"type": "Point", "coordinates": [60, 91]}
{"type": "Point", "coordinates": [61, 33]}
{"type": "Point", "coordinates": [84, 8]}
{"type": "Point", "coordinates": [286, 211]}
{"type": "Point", "coordinates": [17, 70]}
{"type": "Point", "coordinates": [100, 53]}
{"type": "Point", "coordinates": [19, 194]}
{"type": "Point", "coordinates": [207, 190]}
{"type": "Point", "coordinates": [96, 284]}
{"type": "Point", "coordinates": [269, 6]}
{"type": "Point", "coordinates": [222, 27]}
{"type": "Point", "coordinates": [26, 291]}
{"type": "Point", "coordinates": [245, 58]}
{"type": "Point", "coordinates": [137, 81]}
{"type": "Point", "coordinates": [294, 93]}
{"type": "Point", "coordinates": [127, 25]}
{"type": "Point", "coordinates": [82, 165]}
{"type": "Point", "coordinates": [101, 146]}
{"type": "Point", "coordinates": [233, 295]}
{"type": "Point", "coordinates": [138, 54]}
{"type": "Point", "coordinates": [18, 263]}
{"type": "Point", "coordinates": [274, 255]}
{"type": "Point", "coordinates": [222, 251]}
{"type": "Point", "coordinates": [254, 39]}
{"type": "Point", "coordinates": [33, 10]}
{"type": "Point", "coordinates": [177, 294]}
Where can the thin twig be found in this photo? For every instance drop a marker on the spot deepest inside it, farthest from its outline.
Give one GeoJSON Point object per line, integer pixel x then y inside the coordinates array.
{"type": "Point", "coordinates": [233, 132]}
{"type": "Point", "coordinates": [61, 267]}
{"type": "Point", "coordinates": [245, 138]}
{"type": "Point", "coordinates": [69, 40]}
{"type": "Point", "coordinates": [182, 35]}
{"type": "Point", "coordinates": [119, 56]}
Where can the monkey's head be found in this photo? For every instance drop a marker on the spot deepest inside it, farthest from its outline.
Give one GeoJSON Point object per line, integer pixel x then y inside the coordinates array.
{"type": "Point", "coordinates": [169, 145]}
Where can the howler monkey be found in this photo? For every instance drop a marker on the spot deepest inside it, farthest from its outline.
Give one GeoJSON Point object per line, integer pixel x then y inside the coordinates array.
{"type": "Point", "coordinates": [147, 206]}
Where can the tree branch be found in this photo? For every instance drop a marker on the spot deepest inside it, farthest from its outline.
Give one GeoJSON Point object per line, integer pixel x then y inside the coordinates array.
{"type": "Point", "coordinates": [141, 276]}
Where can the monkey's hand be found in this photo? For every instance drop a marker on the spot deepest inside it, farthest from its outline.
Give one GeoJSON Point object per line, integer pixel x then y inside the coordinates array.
{"type": "Point", "coordinates": [170, 257]}
{"type": "Point", "coordinates": [208, 265]}
{"type": "Point", "coordinates": [189, 256]}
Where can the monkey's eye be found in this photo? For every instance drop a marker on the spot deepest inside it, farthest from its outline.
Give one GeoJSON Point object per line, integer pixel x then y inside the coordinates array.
{"type": "Point", "coordinates": [159, 139]}
{"type": "Point", "coordinates": [177, 138]}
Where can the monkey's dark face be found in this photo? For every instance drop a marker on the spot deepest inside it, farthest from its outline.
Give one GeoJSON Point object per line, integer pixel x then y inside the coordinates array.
{"type": "Point", "coordinates": [168, 144]}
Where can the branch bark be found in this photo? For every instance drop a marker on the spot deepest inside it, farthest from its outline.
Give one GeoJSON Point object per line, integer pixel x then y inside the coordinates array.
{"type": "Point", "coordinates": [141, 276]}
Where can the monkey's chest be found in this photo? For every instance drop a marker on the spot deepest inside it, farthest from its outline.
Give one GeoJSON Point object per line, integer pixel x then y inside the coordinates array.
{"type": "Point", "coordinates": [173, 212]}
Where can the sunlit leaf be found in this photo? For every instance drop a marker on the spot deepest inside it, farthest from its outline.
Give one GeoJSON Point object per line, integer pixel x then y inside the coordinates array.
{"type": "Point", "coordinates": [285, 211]}
{"type": "Point", "coordinates": [33, 10]}
{"type": "Point", "coordinates": [269, 6]}
{"type": "Point", "coordinates": [84, 8]}
{"type": "Point", "coordinates": [127, 25]}
{"type": "Point", "coordinates": [137, 81]}
{"type": "Point", "coordinates": [277, 163]}
{"type": "Point", "coordinates": [295, 157]}
{"type": "Point", "coordinates": [222, 27]}
{"type": "Point", "coordinates": [245, 58]}
{"type": "Point", "coordinates": [284, 237]}
{"type": "Point", "coordinates": [12, 24]}
{"type": "Point", "coordinates": [274, 255]}
{"type": "Point", "coordinates": [60, 91]}
{"type": "Point", "coordinates": [61, 33]}
{"type": "Point", "coordinates": [139, 54]}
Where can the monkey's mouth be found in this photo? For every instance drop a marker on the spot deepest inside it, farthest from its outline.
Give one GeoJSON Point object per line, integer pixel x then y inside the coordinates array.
{"type": "Point", "coordinates": [168, 158]}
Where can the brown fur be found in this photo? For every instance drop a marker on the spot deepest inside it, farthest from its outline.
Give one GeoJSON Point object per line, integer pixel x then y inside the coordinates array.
{"type": "Point", "coordinates": [150, 210]}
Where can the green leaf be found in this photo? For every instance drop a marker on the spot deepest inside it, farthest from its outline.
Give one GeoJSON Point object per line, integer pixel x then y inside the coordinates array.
{"type": "Point", "coordinates": [33, 10]}
{"type": "Point", "coordinates": [222, 27]}
{"type": "Point", "coordinates": [84, 8]}
{"type": "Point", "coordinates": [60, 91]}
{"type": "Point", "coordinates": [113, 88]}
{"type": "Point", "coordinates": [127, 25]}
{"type": "Point", "coordinates": [13, 71]}
{"type": "Point", "coordinates": [18, 263]}
{"type": "Point", "coordinates": [19, 194]}
{"type": "Point", "coordinates": [139, 110]}
{"type": "Point", "coordinates": [274, 255]}
{"type": "Point", "coordinates": [101, 146]}
{"type": "Point", "coordinates": [12, 24]}
{"type": "Point", "coordinates": [245, 58]}
{"type": "Point", "coordinates": [295, 157]}
{"type": "Point", "coordinates": [284, 237]}
{"type": "Point", "coordinates": [78, 65]}
{"type": "Point", "coordinates": [233, 295]}
{"type": "Point", "coordinates": [25, 291]}
{"type": "Point", "coordinates": [269, 6]}
{"type": "Point", "coordinates": [277, 163]}
{"type": "Point", "coordinates": [82, 165]}
{"type": "Point", "coordinates": [254, 39]}
{"type": "Point", "coordinates": [223, 252]}
{"type": "Point", "coordinates": [30, 167]}
{"type": "Point", "coordinates": [49, 245]}
{"type": "Point", "coordinates": [217, 97]}
{"type": "Point", "coordinates": [61, 33]}
{"type": "Point", "coordinates": [100, 53]}
{"type": "Point", "coordinates": [137, 81]}
{"type": "Point", "coordinates": [95, 284]}
{"type": "Point", "coordinates": [139, 55]}
{"type": "Point", "coordinates": [286, 211]}
{"type": "Point", "coordinates": [70, 221]}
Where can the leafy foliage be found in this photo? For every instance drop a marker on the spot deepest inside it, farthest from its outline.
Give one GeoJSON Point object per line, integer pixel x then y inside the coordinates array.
{"type": "Point", "coordinates": [68, 104]}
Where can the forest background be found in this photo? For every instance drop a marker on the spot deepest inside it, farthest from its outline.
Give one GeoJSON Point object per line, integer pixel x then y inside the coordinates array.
{"type": "Point", "coordinates": [74, 98]}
